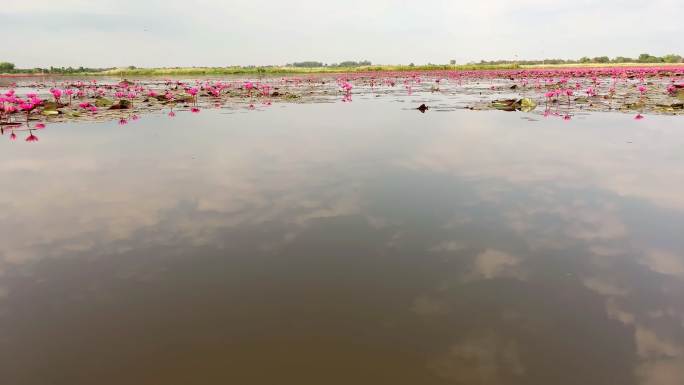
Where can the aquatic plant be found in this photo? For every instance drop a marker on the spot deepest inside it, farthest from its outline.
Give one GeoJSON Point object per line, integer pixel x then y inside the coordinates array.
{"type": "Point", "coordinates": [564, 91]}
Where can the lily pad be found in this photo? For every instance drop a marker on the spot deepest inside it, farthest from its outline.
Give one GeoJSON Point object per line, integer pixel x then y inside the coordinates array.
{"type": "Point", "coordinates": [634, 106]}
{"type": "Point", "coordinates": [103, 102]}
{"type": "Point", "coordinates": [670, 107]}
{"type": "Point", "coordinates": [505, 104]}
{"type": "Point", "coordinates": [184, 98]}
{"type": "Point", "coordinates": [122, 104]}
{"type": "Point", "coordinates": [527, 104]}
{"type": "Point", "coordinates": [51, 106]}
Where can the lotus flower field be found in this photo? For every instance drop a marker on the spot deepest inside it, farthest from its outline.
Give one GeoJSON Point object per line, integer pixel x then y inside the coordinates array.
{"type": "Point", "coordinates": [26, 106]}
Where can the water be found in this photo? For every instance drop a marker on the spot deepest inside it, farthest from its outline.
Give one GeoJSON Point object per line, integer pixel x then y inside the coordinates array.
{"type": "Point", "coordinates": [346, 243]}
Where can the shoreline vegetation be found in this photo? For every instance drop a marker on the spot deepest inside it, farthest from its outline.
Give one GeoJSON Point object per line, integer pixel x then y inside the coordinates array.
{"type": "Point", "coordinates": [313, 67]}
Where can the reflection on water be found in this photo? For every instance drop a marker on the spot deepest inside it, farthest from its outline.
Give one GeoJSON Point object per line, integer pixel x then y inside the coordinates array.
{"type": "Point", "coordinates": [344, 243]}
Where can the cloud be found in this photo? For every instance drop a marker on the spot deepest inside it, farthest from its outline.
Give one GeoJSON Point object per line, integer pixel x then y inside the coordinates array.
{"type": "Point", "coordinates": [494, 263]}
{"type": "Point", "coordinates": [216, 32]}
{"type": "Point", "coordinates": [480, 360]}
{"type": "Point", "coordinates": [664, 262]}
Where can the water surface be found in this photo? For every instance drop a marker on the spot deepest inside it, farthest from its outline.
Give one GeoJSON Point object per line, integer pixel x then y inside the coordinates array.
{"type": "Point", "coordinates": [346, 243]}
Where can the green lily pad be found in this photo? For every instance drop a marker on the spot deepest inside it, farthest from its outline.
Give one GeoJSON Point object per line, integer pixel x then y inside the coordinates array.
{"type": "Point", "coordinates": [103, 102]}
{"type": "Point", "coordinates": [634, 106]}
{"type": "Point", "coordinates": [50, 112]}
{"type": "Point", "coordinates": [505, 104]}
{"type": "Point", "coordinates": [50, 106]}
{"type": "Point", "coordinates": [122, 104]}
{"type": "Point", "coordinates": [670, 107]}
{"type": "Point", "coordinates": [527, 104]}
{"type": "Point", "coordinates": [184, 98]}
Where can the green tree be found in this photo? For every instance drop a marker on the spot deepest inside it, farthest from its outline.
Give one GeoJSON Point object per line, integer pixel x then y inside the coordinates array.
{"type": "Point", "coordinates": [6, 67]}
{"type": "Point", "coordinates": [672, 58]}
{"type": "Point", "coordinates": [647, 58]}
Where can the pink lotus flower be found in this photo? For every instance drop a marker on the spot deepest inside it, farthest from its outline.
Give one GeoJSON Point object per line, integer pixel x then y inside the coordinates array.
{"type": "Point", "coordinates": [26, 106]}
{"type": "Point", "coordinates": [642, 89]}
{"type": "Point", "coordinates": [135, 117]}
{"type": "Point", "coordinates": [13, 136]}
{"type": "Point", "coordinates": [195, 110]}
{"type": "Point", "coordinates": [638, 117]}
{"type": "Point", "coordinates": [123, 122]}
{"type": "Point", "coordinates": [171, 114]}
{"type": "Point", "coordinates": [40, 126]}
{"type": "Point", "coordinates": [57, 94]}
{"type": "Point", "coordinates": [31, 138]}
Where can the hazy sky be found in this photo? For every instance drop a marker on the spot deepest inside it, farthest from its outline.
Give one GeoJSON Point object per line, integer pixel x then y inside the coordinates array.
{"type": "Point", "coordinates": [218, 33]}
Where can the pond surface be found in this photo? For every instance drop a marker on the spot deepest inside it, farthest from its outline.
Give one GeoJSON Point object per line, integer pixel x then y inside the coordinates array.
{"type": "Point", "coordinates": [344, 243]}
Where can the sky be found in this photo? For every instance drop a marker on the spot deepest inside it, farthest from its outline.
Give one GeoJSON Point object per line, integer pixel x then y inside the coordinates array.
{"type": "Point", "coordinates": [153, 33]}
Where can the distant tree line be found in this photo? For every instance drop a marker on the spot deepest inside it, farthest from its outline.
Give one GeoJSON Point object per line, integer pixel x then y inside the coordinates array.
{"type": "Point", "coordinates": [643, 58]}
{"type": "Point", "coordinates": [8, 68]}
{"type": "Point", "coordinates": [317, 64]}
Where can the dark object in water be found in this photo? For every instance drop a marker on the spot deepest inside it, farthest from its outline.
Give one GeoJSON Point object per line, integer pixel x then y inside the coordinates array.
{"type": "Point", "coordinates": [423, 108]}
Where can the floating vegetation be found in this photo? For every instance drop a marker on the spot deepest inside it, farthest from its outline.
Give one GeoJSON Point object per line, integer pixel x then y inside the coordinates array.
{"type": "Point", "coordinates": [547, 92]}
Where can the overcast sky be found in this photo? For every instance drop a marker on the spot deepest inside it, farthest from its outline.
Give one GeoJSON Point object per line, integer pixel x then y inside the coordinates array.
{"type": "Point", "coordinates": [105, 33]}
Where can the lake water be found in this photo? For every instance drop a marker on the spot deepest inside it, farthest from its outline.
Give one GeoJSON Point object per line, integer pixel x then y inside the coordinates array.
{"type": "Point", "coordinates": [344, 243]}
